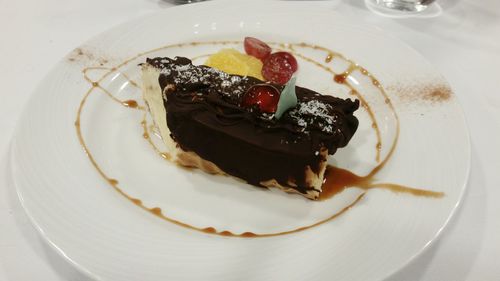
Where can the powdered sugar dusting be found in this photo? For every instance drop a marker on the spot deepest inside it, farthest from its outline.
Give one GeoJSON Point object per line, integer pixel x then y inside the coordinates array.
{"type": "Point", "coordinates": [314, 112]}
{"type": "Point", "coordinates": [183, 73]}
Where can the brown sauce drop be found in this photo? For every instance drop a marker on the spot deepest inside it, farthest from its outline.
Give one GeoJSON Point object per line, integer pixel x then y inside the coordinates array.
{"type": "Point", "coordinates": [130, 103]}
{"type": "Point", "coordinates": [112, 181]}
{"type": "Point", "coordinates": [156, 211]}
{"type": "Point", "coordinates": [136, 201]}
{"type": "Point", "coordinates": [210, 230]}
{"type": "Point", "coordinates": [226, 233]}
{"type": "Point", "coordinates": [340, 78]}
{"type": "Point", "coordinates": [329, 58]}
{"type": "Point", "coordinates": [248, 234]}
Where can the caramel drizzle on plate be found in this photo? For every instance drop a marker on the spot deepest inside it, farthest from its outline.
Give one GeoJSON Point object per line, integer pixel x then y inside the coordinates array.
{"type": "Point", "coordinates": [336, 179]}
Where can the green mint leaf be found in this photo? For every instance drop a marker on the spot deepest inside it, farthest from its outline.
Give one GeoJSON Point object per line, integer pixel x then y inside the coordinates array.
{"type": "Point", "coordinates": [288, 98]}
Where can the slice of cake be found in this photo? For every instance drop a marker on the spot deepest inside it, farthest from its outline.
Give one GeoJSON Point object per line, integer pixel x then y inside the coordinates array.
{"type": "Point", "coordinates": [224, 124]}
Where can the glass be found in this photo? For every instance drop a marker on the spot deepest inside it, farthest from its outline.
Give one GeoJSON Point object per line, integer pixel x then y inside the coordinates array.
{"type": "Point", "coordinates": [186, 1]}
{"type": "Point", "coordinates": [404, 6]}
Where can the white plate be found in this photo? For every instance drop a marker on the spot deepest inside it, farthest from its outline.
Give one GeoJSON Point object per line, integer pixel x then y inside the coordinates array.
{"type": "Point", "coordinates": [109, 238]}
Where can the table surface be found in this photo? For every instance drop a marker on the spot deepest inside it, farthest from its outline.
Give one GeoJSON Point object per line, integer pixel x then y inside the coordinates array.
{"type": "Point", "coordinates": [463, 43]}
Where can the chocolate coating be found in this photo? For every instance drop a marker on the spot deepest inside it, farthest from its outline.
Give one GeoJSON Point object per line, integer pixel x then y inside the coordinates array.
{"type": "Point", "coordinates": [204, 116]}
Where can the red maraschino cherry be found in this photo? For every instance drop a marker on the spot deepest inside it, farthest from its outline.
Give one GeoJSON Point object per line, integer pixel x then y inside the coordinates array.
{"type": "Point", "coordinates": [256, 48]}
{"type": "Point", "coordinates": [279, 67]}
{"type": "Point", "coordinates": [265, 96]}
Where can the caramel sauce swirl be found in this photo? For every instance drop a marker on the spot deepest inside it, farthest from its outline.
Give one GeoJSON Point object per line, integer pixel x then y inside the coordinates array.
{"type": "Point", "coordinates": [336, 179]}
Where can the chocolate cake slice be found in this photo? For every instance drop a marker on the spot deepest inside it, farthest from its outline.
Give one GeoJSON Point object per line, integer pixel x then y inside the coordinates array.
{"type": "Point", "coordinates": [199, 113]}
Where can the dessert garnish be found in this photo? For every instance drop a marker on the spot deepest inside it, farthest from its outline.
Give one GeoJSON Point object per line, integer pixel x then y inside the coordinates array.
{"type": "Point", "coordinates": [268, 98]}
{"type": "Point", "coordinates": [258, 62]}
{"type": "Point", "coordinates": [232, 61]}
{"type": "Point", "coordinates": [279, 67]}
{"type": "Point", "coordinates": [288, 98]}
{"type": "Point", "coordinates": [256, 48]}
{"type": "Point", "coordinates": [264, 96]}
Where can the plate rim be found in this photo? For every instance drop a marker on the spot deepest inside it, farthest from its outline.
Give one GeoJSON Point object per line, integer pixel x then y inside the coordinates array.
{"type": "Point", "coordinates": [13, 166]}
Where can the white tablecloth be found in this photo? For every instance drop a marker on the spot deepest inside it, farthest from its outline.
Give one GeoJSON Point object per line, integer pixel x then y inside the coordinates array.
{"type": "Point", "coordinates": [463, 43]}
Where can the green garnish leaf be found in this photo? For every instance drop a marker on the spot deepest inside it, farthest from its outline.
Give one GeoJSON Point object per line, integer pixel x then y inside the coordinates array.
{"type": "Point", "coordinates": [288, 98]}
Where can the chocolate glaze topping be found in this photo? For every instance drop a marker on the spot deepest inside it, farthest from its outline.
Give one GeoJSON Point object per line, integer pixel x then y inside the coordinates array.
{"type": "Point", "coordinates": [204, 116]}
